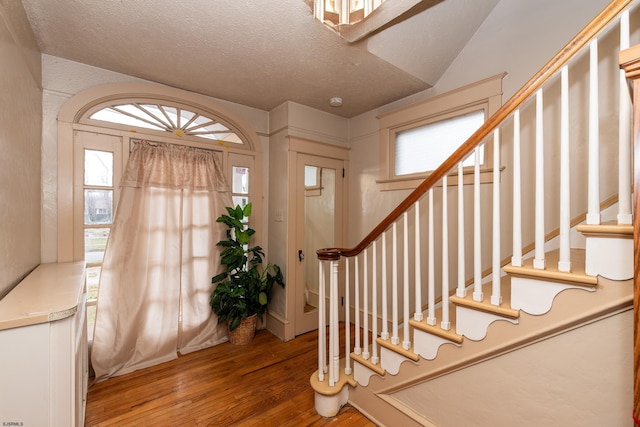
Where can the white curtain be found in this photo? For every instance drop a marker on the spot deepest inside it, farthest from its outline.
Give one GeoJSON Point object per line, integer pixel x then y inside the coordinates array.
{"type": "Point", "coordinates": [153, 300]}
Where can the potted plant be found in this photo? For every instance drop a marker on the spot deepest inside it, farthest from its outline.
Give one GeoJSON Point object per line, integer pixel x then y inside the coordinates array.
{"type": "Point", "coordinates": [242, 292]}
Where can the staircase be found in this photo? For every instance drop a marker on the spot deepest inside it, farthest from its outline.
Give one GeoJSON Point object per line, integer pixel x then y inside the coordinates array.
{"type": "Point", "coordinates": [421, 312]}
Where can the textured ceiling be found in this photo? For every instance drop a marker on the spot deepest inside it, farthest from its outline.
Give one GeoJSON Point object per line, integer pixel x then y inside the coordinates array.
{"type": "Point", "coordinates": [259, 53]}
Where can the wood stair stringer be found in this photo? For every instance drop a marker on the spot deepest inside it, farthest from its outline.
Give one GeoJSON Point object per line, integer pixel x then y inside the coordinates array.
{"type": "Point", "coordinates": [573, 310]}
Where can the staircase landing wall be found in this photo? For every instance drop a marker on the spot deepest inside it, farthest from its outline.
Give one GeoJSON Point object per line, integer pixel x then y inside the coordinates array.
{"type": "Point", "coordinates": [578, 374]}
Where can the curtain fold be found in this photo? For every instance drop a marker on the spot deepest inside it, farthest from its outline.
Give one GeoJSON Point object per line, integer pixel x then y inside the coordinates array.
{"type": "Point", "coordinates": [160, 257]}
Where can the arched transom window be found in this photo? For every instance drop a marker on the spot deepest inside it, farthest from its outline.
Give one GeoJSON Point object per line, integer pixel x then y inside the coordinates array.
{"type": "Point", "coordinates": [175, 119]}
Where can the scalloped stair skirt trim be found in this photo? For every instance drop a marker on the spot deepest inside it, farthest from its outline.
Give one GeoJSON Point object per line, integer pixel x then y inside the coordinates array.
{"type": "Point", "coordinates": [526, 290]}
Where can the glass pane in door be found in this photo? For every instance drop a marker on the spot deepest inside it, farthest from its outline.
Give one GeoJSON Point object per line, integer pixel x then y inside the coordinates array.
{"type": "Point", "coordinates": [319, 207]}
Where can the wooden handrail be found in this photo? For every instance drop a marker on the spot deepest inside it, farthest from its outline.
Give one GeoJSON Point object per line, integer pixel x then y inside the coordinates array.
{"type": "Point", "coordinates": [610, 12]}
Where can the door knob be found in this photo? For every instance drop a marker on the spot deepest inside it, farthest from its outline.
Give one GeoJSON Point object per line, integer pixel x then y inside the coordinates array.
{"type": "Point", "coordinates": [300, 255]}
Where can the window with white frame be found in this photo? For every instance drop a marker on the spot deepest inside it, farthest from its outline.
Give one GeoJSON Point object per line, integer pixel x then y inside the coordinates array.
{"type": "Point", "coordinates": [422, 149]}
{"type": "Point", "coordinates": [416, 139]}
{"type": "Point", "coordinates": [101, 137]}
{"type": "Point", "coordinates": [97, 170]}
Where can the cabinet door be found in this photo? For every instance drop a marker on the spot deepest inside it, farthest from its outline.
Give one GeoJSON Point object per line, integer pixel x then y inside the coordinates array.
{"type": "Point", "coordinates": [63, 371]}
{"type": "Point", "coordinates": [24, 375]}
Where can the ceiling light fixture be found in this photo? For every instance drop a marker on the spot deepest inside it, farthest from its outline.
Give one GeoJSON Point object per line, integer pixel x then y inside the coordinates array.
{"type": "Point", "coordinates": [335, 102]}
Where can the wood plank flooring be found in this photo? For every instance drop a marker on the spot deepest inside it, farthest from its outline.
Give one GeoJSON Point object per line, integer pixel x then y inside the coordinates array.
{"type": "Point", "coordinates": [265, 383]}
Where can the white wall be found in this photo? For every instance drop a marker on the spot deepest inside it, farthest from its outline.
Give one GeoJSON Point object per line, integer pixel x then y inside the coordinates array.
{"type": "Point", "coordinates": [20, 133]}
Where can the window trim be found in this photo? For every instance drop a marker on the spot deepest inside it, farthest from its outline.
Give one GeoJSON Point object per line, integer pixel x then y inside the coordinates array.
{"type": "Point", "coordinates": [485, 94]}
{"type": "Point", "coordinates": [69, 121]}
{"type": "Point", "coordinates": [85, 118]}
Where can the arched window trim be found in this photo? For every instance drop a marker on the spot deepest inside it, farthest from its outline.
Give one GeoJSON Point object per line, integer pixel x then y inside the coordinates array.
{"type": "Point", "coordinates": [82, 105]}
{"type": "Point", "coordinates": [85, 118]}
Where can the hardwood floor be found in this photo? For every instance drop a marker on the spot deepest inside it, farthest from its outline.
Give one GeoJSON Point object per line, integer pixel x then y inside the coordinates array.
{"type": "Point", "coordinates": [265, 383]}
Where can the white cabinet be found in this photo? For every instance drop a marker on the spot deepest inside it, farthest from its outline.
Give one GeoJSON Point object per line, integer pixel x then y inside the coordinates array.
{"type": "Point", "coordinates": [43, 348]}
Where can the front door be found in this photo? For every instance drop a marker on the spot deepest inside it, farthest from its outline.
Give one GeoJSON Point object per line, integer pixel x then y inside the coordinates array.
{"type": "Point", "coordinates": [318, 225]}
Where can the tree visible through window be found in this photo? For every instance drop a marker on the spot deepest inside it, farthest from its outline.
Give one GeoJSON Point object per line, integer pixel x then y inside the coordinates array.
{"type": "Point", "coordinates": [98, 217]}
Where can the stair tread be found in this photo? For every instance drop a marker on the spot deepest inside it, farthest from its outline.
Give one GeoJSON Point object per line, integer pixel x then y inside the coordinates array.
{"type": "Point", "coordinates": [577, 276]}
{"type": "Point", "coordinates": [504, 309]}
{"type": "Point", "coordinates": [409, 354]}
{"type": "Point", "coordinates": [375, 367]}
{"type": "Point", "coordinates": [437, 328]}
{"type": "Point", "coordinates": [323, 387]}
{"type": "Point", "coordinates": [607, 229]}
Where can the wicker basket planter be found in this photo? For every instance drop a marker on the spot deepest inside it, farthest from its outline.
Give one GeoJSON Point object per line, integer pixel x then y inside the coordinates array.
{"type": "Point", "coordinates": [245, 332]}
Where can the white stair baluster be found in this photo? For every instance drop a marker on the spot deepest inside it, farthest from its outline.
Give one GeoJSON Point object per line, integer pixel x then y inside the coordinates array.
{"type": "Point", "coordinates": [365, 306]}
{"type": "Point", "coordinates": [593, 202]}
{"type": "Point", "coordinates": [496, 297]}
{"type": "Point", "coordinates": [347, 320]}
{"type": "Point", "coordinates": [431, 314]}
{"type": "Point", "coordinates": [334, 331]}
{"type": "Point", "coordinates": [624, 150]}
{"type": "Point", "coordinates": [395, 339]}
{"type": "Point", "coordinates": [477, 233]}
{"type": "Point", "coordinates": [344, 7]}
{"type": "Point", "coordinates": [564, 261]}
{"type": "Point", "coordinates": [322, 330]}
{"type": "Point", "coordinates": [368, 7]}
{"type": "Point", "coordinates": [318, 9]}
{"type": "Point", "coordinates": [385, 308]}
{"type": "Point", "coordinates": [516, 259]}
{"type": "Point", "coordinates": [406, 341]}
{"type": "Point", "coordinates": [336, 320]}
{"type": "Point", "coordinates": [445, 323]}
{"type": "Point", "coordinates": [374, 305]}
{"type": "Point", "coordinates": [461, 290]}
{"type": "Point", "coordinates": [331, 316]}
{"type": "Point", "coordinates": [357, 349]}
{"type": "Point", "coordinates": [418, 273]}
{"type": "Point", "coordinates": [539, 257]}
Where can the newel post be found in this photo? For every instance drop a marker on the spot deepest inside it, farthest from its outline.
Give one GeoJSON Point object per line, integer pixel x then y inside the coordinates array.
{"type": "Point", "coordinates": [630, 62]}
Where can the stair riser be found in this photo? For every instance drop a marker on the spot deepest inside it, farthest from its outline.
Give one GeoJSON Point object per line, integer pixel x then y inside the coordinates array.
{"type": "Point", "coordinates": [609, 257]}
{"type": "Point", "coordinates": [535, 296]}
{"type": "Point", "coordinates": [473, 324]}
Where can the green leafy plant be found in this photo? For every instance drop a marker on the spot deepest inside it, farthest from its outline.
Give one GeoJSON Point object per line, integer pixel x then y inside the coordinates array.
{"type": "Point", "coordinates": [244, 288]}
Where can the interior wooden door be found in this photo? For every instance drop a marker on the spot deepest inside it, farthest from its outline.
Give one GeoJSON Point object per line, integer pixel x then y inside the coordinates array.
{"type": "Point", "coordinates": [319, 199]}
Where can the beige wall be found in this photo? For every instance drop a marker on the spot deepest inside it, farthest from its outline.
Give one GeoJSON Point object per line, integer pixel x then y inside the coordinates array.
{"type": "Point", "coordinates": [20, 136]}
{"type": "Point", "coordinates": [509, 41]}
{"type": "Point", "coordinates": [550, 383]}
{"type": "Point", "coordinates": [291, 120]}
